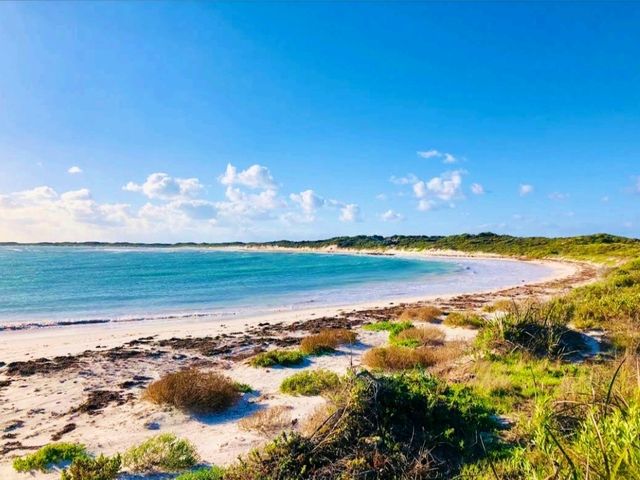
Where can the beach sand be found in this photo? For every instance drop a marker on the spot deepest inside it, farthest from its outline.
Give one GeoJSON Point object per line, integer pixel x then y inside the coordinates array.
{"type": "Point", "coordinates": [105, 368]}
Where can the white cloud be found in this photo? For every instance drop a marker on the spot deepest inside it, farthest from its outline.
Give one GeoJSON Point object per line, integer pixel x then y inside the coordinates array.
{"type": "Point", "coordinates": [74, 170]}
{"type": "Point", "coordinates": [525, 189]}
{"type": "Point", "coordinates": [391, 216]}
{"type": "Point", "coordinates": [350, 213]}
{"type": "Point", "coordinates": [162, 186]}
{"type": "Point", "coordinates": [240, 205]}
{"type": "Point", "coordinates": [426, 205]}
{"type": "Point", "coordinates": [477, 189]}
{"type": "Point", "coordinates": [408, 180]}
{"type": "Point", "coordinates": [256, 176]}
{"type": "Point", "coordinates": [446, 157]}
{"type": "Point", "coordinates": [445, 187]}
{"type": "Point", "coordinates": [381, 196]}
{"type": "Point", "coordinates": [558, 196]}
{"type": "Point", "coordinates": [308, 201]}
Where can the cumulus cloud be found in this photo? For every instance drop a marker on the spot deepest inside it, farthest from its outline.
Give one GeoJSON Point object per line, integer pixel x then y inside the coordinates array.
{"type": "Point", "coordinates": [256, 176]}
{"type": "Point", "coordinates": [477, 189]}
{"type": "Point", "coordinates": [391, 216]}
{"type": "Point", "coordinates": [308, 201]}
{"type": "Point", "coordinates": [525, 189]}
{"type": "Point", "coordinates": [445, 187]}
{"type": "Point", "coordinates": [240, 205]}
{"type": "Point", "coordinates": [74, 170]}
{"type": "Point", "coordinates": [444, 156]}
{"type": "Point", "coordinates": [350, 213]}
{"type": "Point", "coordinates": [164, 187]}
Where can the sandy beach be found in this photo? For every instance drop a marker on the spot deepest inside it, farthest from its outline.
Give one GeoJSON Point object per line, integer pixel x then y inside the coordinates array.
{"type": "Point", "coordinates": [83, 383]}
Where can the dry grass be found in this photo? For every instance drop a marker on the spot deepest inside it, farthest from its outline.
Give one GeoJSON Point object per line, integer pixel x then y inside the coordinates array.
{"type": "Point", "coordinates": [464, 319]}
{"type": "Point", "coordinates": [326, 341]}
{"type": "Point", "coordinates": [268, 421]}
{"type": "Point", "coordinates": [317, 418]}
{"type": "Point", "coordinates": [394, 358]}
{"type": "Point", "coordinates": [502, 305]}
{"type": "Point", "coordinates": [194, 391]}
{"type": "Point", "coordinates": [428, 313]}
{"type": "Point", "coordinates": [420, 337]}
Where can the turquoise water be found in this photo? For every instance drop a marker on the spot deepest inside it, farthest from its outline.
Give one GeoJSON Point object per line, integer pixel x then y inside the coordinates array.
{"type": "Point", "coordinates": [54, 284]}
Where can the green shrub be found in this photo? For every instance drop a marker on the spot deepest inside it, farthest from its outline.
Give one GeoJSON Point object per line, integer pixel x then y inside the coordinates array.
{"type": "Point", "coordinates": [212, 473]}
{"type": "Point", "coordinates": [100, 468]}
{"type": "Point", "coordinates": [419, 337]}
{"type": "Point", "coordinates": [50, 455]}
{"type": "Point", "coordinates": [394, 328]}
{"type": "Point", "coordinates": [164, 453]}
{"type": "Point", "coordinates": [464, 319]}
{"type": "Point", "coordinates": [285, 358]}
{"type": "Point", "coordinates": [311, 382]}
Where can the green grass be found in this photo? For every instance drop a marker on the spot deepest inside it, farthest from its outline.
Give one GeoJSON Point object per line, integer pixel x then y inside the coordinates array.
{"type": "Point", "coordinates": [284, 358]}
{"type": "Point", "coordinates": [54, 454]}
{"type": "Point", "coordinates": [243, 387]}
{"type": "Point", "coordinates": [310, 382]}
{"type": "Point", "coordinates": [211, 473]}
{"type": "Point", "coordinates": [394, 328]}
{"type": "Point", "coordinates": [464, 319]}
{"type": "Point", "coordinates": [100, 468]}
{"type": "Point", "coordinates": [161, 453]}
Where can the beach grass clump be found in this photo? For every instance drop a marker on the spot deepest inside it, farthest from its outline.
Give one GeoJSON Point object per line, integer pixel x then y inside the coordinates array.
{"type": "Point", "coordinates": [284, 358]}
{"type": "Point", "coordinates": [99, 468]}
{"type": "Point", "coordinates": [310, 382]}
{"type": "Point", "coordinates": [51, 455]}
{"type": "Point", "coordinates": [380, 426]}
{"type": "Point", "coordinates": [161, 453]}
{"type": "Point", "coordinates": [395, 358]}
{"type": "Point", "coordinates": [268, 420]}
{"type": "Point", "coordinates": [428, 313]}
{"type": "Point", "coordinates": [208, 473]}
{"type": "Point", "coordinates": [419, 337]}
{"type": "Point", "coordinates": [326, 341]}
{"type": "Point", "coordinates": [501, 305]}
{"type": "Point", "coordinates": [394, 328]}
{"type": "Point", "coordinates": [464, 319]}
{"type": "Point", "coordinates": [195, 391]}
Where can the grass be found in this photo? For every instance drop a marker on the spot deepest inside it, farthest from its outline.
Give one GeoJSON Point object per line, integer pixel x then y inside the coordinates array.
{"type": "Point", "coordinates": [100, 468]}
{"type": "Point", "coordinates": [464, 319]}
{"type": "Point", "coordinates": [284, 358]}
{"type": "Point", "coordinates": [326, 341]}
{"type": "Point", "coordinates": [419, 337]}
{"type": "Point", "coordinates": [394, 358]}
{"type": "Point", "coordinates": [427, 313]}
{"type": "Point", "coordinates": [311, 382]}
{"type": "Point", "coordinates": [161, 453]}
{"type": "Point", "coordinates": [210, 473]}
{"type": "Point", "coordinates": [268, 420]}
{"type": "Point", "coordinates": [502, 305]}
{"type": "Point", "coordinates": [394, 328]}
{"type": "Point", "coordinates": [54, 454]}
{"type": "Point", "coordinates": [194, 390]}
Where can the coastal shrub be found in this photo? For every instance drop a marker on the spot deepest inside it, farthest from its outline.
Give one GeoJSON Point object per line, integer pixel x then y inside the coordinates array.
{"type": "Point", "coordinates": [428, 313]}
{"type": "Point", "coordinates": [419, 337]}
{"type": "Point", "coordinates": [502, 305]}
{"type": "Point", "coordinates": [194, 390]}
{"type": "Point", "coordinates": [100, 468]}
{"type": "Point", "coordinates": [310, 382]}
{"type": "Point", "coordinates": [464, 319]}
{"type": "Point", "coordinates": [396, 426]}
{"type": "Point", "coordinates": [268, 420]}
{"type": "Point", "coordinates": [285, 358]}
{"type": "Point", "coordinates": [394, 358]}
{"type": "Point", "coordinates": [53, 454]}
{"type": "Point", "coordinates": [162, 453]}
{"type": "Point", "coordinates": [326, 341]}
{"type": "Point", "coordinates": [209, 473]}
{"type": "Point", "coordinates": [394, 328]}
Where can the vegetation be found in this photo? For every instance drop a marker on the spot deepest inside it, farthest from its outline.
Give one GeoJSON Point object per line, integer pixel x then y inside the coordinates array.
{"type": "Point", "coordinates": [399, 426]}
{"type": "Point", "coordinates": [394, 328]}
{"type": "Point", "coordinates": [161, 453]}
{"type": "Point", "coordinates": [326, 341]}
{"type": "Point", "coordinates": [86, 468]}
{"type": "Point", "coordinates": [419, 337]}
{"type": "Point", "coordinates": [285, 358]}
{"type": "Point", "coordinates": [54, 454]}
{"type": "Point", "coordinates": [427, 313]}
{"type": "Point", "coordinates": [464, 319]}
{"type": "Point", "coordinates": [268, 420]}
{"type": "Point", "coordinates": [311, 382]}
{"type": "Point", "coordinates": [211, 473]}
{"type": "Point", "coordinates": [394, 358]}
{"type": "Point", "coordinates": [194, 391]}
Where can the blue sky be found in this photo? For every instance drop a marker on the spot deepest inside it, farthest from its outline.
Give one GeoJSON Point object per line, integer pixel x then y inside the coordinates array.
{"type": "Point", "coordinates": [335, 119]}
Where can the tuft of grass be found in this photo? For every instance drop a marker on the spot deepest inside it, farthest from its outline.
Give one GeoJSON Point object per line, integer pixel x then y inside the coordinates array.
{"type": "Point", "coordinates": [100, 468]}
{"type": "Point", "coordinates": [311, 382]}
{"type": "Point", "coordinates": [464, 319]}
{"type": "Point", "coordinates": [394, 328]}
{"type": "Point", "coordinates": [285, 358]}
{"type": "Point", "coordinates": [50, 455]}
{"type": "Point", "coordinates": [194, 391]}
{"type": "Point", "coordinates": [419, 337]}
{"type": "Point", "coordinates": [161, 453]}
{"type": "Point", "coordinates": [427, 313]}
{"type": "Point", "coordinates": [326, 341]}
{"type": "Point", "coordinates": [394, 358]}
{"type": "Point", "coordinates": [502, 305]}
{"type": "Point", "coordinates": [210, 473]}
{"type": "Point", "coordinates": [268, 421]}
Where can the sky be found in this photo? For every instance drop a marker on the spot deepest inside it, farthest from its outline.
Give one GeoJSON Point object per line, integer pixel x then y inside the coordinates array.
{"type": "Point", "coordinates": [253, 121]}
